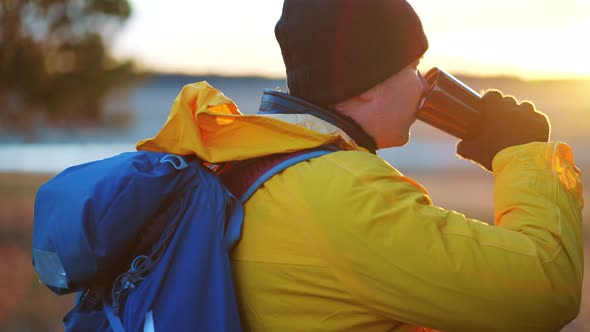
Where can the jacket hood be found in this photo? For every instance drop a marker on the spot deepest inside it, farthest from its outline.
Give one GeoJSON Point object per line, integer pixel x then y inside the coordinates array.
{"type": "Point", "coordinates": [205, 123]}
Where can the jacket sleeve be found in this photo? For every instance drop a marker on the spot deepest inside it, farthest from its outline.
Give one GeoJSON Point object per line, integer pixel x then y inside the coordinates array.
{"type": "Point", "coordinates": [401, 255]}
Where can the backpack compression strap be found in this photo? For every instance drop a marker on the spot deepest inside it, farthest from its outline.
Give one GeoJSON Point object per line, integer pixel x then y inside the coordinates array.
{"type": "Point", "coordinates": [244, 178]}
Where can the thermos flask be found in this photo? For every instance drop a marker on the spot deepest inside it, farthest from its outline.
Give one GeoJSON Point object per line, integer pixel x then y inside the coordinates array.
{"type": "Point", "coordinates": [450, 105]}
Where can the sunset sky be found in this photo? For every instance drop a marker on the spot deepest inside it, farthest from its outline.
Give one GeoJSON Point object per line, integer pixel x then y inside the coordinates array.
{"type": "Point", "coordinates": [532, 39]}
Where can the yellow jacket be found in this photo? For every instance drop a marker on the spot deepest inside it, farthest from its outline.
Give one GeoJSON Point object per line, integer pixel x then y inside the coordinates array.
{"type": "Point", "coordinates": [345, 242]}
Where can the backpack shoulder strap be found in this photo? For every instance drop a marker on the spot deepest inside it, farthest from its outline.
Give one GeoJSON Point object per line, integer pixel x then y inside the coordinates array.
{"type": "Point", "coordinates": [244, 178]}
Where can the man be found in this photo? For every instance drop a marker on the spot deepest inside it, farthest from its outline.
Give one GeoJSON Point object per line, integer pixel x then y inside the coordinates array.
{"type": "Point", "coordinates": [345, 242]}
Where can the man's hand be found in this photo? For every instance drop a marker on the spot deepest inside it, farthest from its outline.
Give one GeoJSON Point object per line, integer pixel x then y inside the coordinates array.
{"type": "Point", "coordinates": [505, 123]}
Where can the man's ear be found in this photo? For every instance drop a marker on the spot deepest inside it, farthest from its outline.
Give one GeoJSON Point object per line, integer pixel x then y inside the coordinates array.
{"type": "Point", "coordinates": [375, 92]}
{"type": "Point", "coordinates": [365, 96]}
{"type": "Point", "coordinates": [355, 101]}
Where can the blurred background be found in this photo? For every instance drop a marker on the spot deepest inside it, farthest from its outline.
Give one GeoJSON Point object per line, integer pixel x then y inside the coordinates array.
{"type": "Point", "coordinates": [82, 80]}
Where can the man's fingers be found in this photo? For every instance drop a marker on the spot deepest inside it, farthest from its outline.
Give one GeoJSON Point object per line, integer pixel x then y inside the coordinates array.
{"type": "Point", "coordinates": [527, 106]}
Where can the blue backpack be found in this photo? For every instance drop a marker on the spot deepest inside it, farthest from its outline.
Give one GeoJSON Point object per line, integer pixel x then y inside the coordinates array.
{"type": "Point", "coordinates": [144, 238]}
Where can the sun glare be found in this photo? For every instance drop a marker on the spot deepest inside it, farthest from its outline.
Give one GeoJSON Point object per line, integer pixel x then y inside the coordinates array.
{"type": "Point", "coordinates": [552, 51]}
{"type": "Point", "coordinates": [547, 42]}
{"type": "Point", "coordinates": [572, 53]}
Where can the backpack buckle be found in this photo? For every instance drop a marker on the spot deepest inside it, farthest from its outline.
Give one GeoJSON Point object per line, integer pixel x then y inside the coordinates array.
{"type": "Point", "coordinates": [90, 299]}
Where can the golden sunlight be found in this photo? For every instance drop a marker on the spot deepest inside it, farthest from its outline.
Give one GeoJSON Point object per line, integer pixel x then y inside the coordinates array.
{"type": "Point", "coordinates": [577, 58]}
{"type": "Point", "coordinates": [552, 51]}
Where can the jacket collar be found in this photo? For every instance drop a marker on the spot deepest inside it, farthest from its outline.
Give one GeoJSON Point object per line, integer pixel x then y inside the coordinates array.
{"type": "Point", "coordinates": [275, 102]}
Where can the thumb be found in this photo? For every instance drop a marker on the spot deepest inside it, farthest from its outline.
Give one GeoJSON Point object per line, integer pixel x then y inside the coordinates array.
{"type": "Point", "coordinates": [471, 150]}
{"type": "Point", "coordinates": [463, 148]}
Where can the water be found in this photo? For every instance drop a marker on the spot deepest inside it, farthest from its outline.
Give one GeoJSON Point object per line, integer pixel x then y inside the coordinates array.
{"type": "Point", "coordinates": [149, 104]}
{"type": "Point", "coordinates": [55, 157]}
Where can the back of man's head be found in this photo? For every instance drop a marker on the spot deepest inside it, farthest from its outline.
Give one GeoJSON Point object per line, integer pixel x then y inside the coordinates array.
{"type": "Point", "coordinates": [337, 49]}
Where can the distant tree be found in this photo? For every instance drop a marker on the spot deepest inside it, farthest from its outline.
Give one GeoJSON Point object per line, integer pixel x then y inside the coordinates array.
{"type": "Point", "coordinates": [53, 58]}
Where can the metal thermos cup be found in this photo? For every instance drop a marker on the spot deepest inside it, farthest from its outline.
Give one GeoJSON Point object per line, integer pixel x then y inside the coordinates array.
{"type": "Point", "coordinates": [450, 105]}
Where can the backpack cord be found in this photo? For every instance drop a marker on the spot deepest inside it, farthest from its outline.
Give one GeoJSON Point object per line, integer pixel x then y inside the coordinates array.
{"type": "Point", "coordinates": [142, 265]}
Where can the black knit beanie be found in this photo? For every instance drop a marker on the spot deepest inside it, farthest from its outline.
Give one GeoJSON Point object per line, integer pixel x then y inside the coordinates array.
{"type": "Point", "coordinates": [337, 49]}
